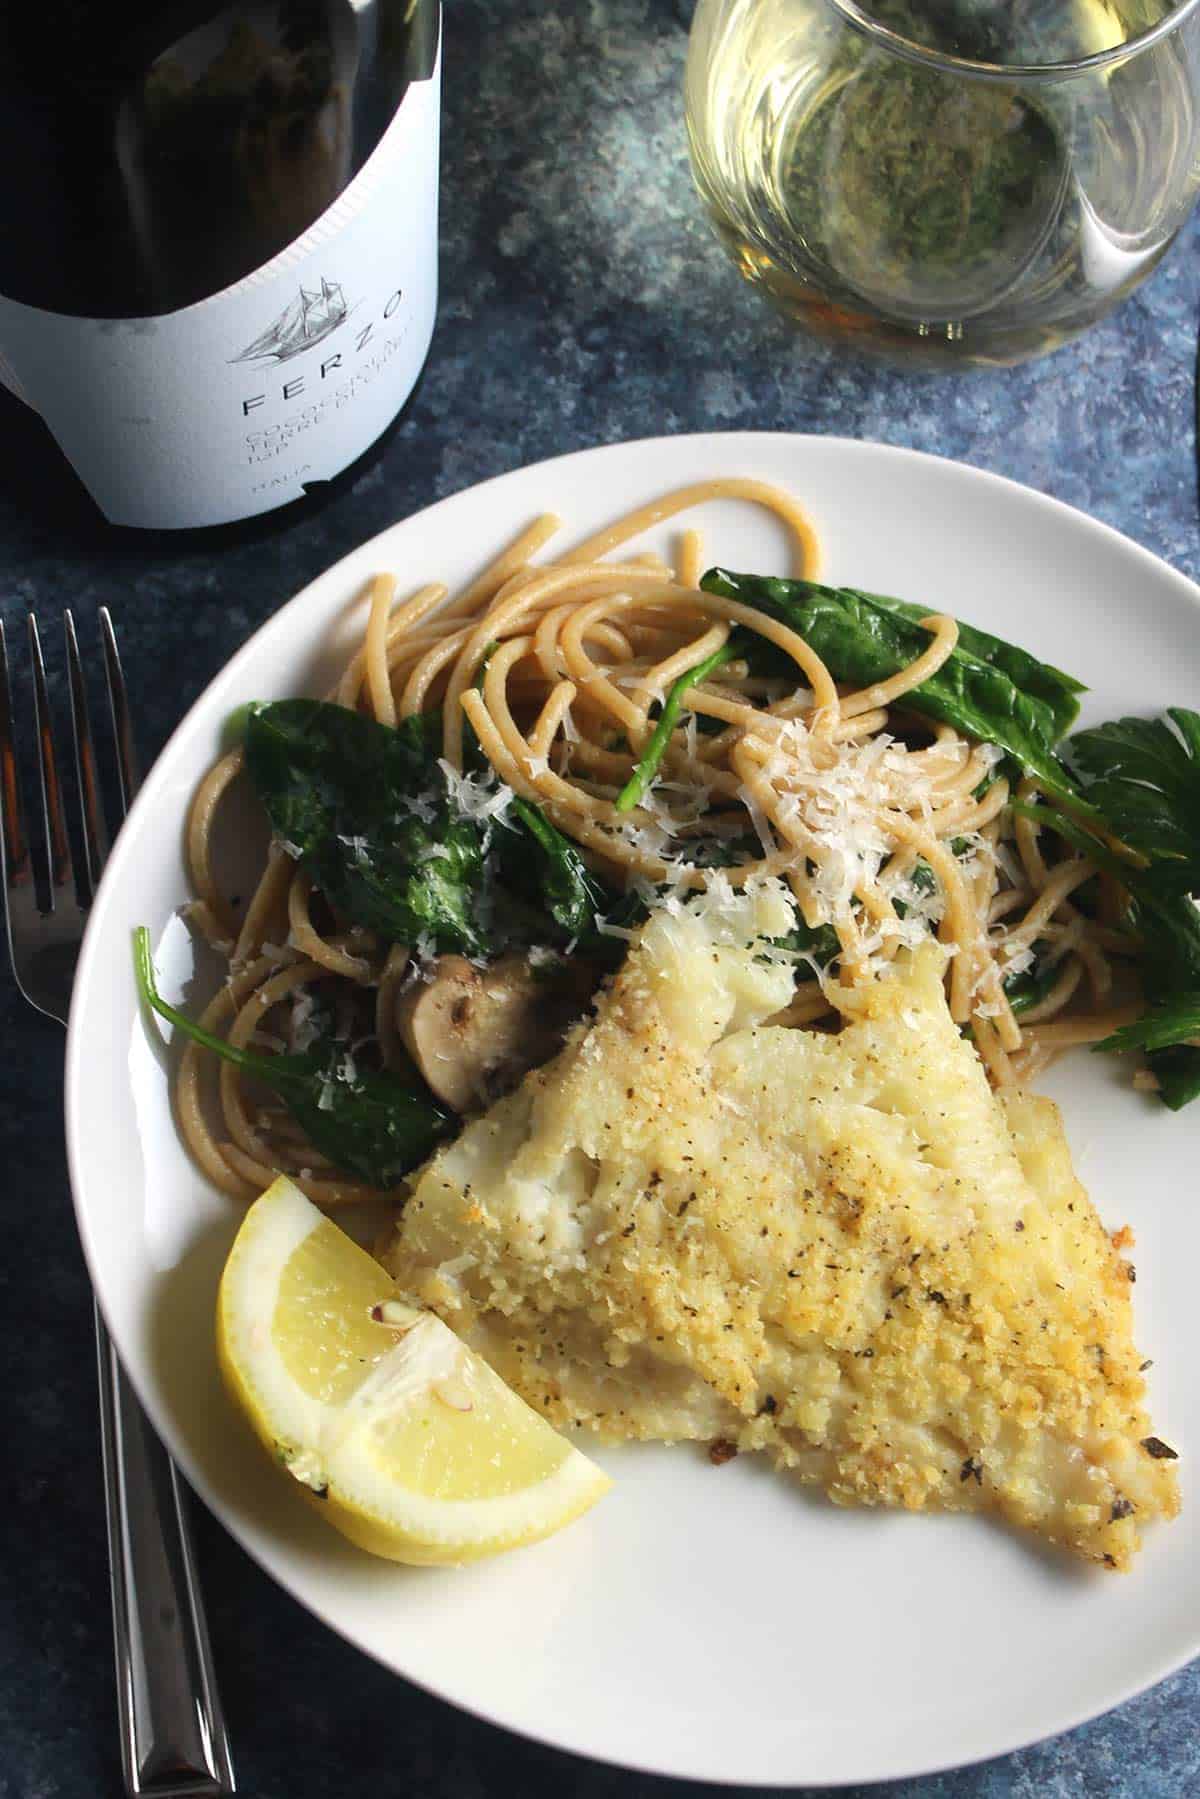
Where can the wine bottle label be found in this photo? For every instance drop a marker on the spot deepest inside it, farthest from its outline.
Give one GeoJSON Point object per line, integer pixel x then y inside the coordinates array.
{"type": "Point", "coordinates": [232, 406]}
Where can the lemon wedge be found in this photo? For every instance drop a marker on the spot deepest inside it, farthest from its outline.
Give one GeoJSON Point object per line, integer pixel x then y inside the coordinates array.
{"type": "Point", "coordinates": [408, 1442]}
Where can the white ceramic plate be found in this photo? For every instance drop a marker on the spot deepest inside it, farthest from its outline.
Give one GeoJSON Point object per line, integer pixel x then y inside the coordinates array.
{"type": "Point", "coordinates": [707, 1623]}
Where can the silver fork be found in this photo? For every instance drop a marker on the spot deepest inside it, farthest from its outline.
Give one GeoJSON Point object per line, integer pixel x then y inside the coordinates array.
{"type": "Point", "coordinates": [173, 1739]}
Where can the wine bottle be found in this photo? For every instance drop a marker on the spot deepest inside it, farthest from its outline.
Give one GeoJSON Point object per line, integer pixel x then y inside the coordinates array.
{"type": "Point", "coordinates": [218, 273]}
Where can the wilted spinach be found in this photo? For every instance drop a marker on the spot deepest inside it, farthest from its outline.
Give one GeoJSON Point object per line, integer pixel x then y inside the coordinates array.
{"type": "Point", "coordinates": [818, 944]}
{"type": "Point", "coordinates": [1168, 922]}
{"type": "Point", "coordinates": [1125, 794]}
{"type": "Point", "coordinates": [371, 1124]}
{"type": "Point", "coordinates": [1029, 988]}
{"type": "Point", "coordinates": [639, 782]}
{"type": "Point", "coordinates": [1144, 776]}
{"type": "Point", "coordinates": [986, 688]}
{"type": "Point", "coordinates": [365, 810]}
{"type": "Point", "coordinates": [369, 813]}
{"type": "Point", "coordinates": [543, 867]}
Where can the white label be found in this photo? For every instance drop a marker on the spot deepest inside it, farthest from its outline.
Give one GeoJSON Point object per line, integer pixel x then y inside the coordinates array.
{"type": "Point", "coordinates": [227, 408]}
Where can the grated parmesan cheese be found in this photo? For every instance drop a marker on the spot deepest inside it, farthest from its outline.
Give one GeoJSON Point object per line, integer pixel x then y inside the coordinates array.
{"type": "Point", "coordinates": [1016, 959]}
{"type": "Point", "coordinates": [304, 1030]}
{"type": "Point", "coordinates": [759, 820]}
{"type": "Point", "coordinates": [833, 798]}
{"type": "Point", "coordinates": [605, 929]}
{"type": "Point", "coordinates": [480, 797]}
{"type": "Point", "coordinates": [418, 805]}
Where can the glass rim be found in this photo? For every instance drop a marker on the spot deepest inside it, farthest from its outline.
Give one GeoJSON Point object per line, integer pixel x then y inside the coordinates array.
{"type": "Point", "coordinates": [947, 63]}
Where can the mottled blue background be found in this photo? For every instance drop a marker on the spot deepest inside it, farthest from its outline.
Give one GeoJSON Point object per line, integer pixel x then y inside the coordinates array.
{"type": "Point", "coordinates": [583, 301]}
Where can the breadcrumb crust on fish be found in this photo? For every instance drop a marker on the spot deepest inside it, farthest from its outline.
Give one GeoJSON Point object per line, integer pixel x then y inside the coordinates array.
{"type": "Point", "coordinates": [843, 1250]}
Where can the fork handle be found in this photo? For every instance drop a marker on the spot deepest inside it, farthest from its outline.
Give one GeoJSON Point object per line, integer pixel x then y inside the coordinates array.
{"type": "Point", "coordinates": [173, 1739]}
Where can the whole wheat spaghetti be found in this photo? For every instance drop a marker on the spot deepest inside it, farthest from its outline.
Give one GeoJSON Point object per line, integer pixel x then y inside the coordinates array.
{"type": "Point", "coordinates": [884, 826]}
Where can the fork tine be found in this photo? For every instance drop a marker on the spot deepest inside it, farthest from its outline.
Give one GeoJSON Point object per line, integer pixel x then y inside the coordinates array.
{"type": "Point", "coordinates": [14, 845]}
{"type": "Point", "coordinates": [118, 706]}
{"type": "Point", "coordinates": [91, 807]}
{"type": "Point", "coordinates": [54, 827]}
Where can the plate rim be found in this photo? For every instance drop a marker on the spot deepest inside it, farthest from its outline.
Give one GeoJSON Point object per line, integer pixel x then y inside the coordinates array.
{"type": "Point", "coordinates": [730, 443]}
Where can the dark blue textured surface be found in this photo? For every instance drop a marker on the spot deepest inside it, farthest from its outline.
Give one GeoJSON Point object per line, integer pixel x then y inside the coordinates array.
{"type": "Point", "coordinates": [583, 301]}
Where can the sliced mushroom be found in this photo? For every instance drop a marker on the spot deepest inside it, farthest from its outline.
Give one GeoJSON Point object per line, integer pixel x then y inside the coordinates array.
{"type": "Point", "coordinates": [474, 1031]}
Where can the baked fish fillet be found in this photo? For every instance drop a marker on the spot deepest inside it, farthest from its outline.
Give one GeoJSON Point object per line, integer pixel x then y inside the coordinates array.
{"type": "Point", "coordinates": [843, 1250]}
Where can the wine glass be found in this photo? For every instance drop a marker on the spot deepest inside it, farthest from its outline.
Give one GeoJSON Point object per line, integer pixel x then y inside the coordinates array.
{"type": "Point", "coordinates": [960, 181]}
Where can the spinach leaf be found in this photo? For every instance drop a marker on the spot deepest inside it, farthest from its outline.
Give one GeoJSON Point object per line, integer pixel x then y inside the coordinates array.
{"type": "Point", "coordinates": [1029, 989]}
{"type": "Point", "coordinates": [922, 880]}
{"type": "Point", "coordinates": [1178, 1072]}
{"type": "Point", "coordinates": [545, 868]}
{"type": "Point", "coordinates": [1163, 1028]}
{"type": "Point", "coordinates": [366, 811]}
{"type": "Point", "coordinates": [1171, 977]}
{"type": "Point", "coordinates": [1145, 779]}
{"type": "Point", "coordinates": [819, 943]}
{"type": "Point", "coordinates": [1041, 680]}
{"type": "Point", "coordinates": [371, 1124]}
{"type": "Point", "coordinates": [1168, 922]}
{"type": "Point", "coordinates": [1170, 927]}
{"type": "Point", "coordinates": [639, 782]}
{"type": "Point", "coordinates": [861, 638]}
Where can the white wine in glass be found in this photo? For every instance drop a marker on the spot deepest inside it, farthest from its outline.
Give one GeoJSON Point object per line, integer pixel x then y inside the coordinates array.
{"type": "Point", "coordinates": [963, 181]}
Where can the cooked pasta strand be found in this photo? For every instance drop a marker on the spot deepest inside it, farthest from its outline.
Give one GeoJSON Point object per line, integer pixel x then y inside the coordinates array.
{"type": "Point", "coordinates": [561, 666]}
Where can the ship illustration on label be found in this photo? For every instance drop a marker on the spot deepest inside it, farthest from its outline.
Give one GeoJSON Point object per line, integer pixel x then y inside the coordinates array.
{"type": "Point", "coordinates": [307, 320]}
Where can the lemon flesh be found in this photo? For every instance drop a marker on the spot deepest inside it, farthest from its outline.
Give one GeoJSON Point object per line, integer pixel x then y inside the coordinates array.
{"type": "Point", "coordinates": [407, 1441]}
